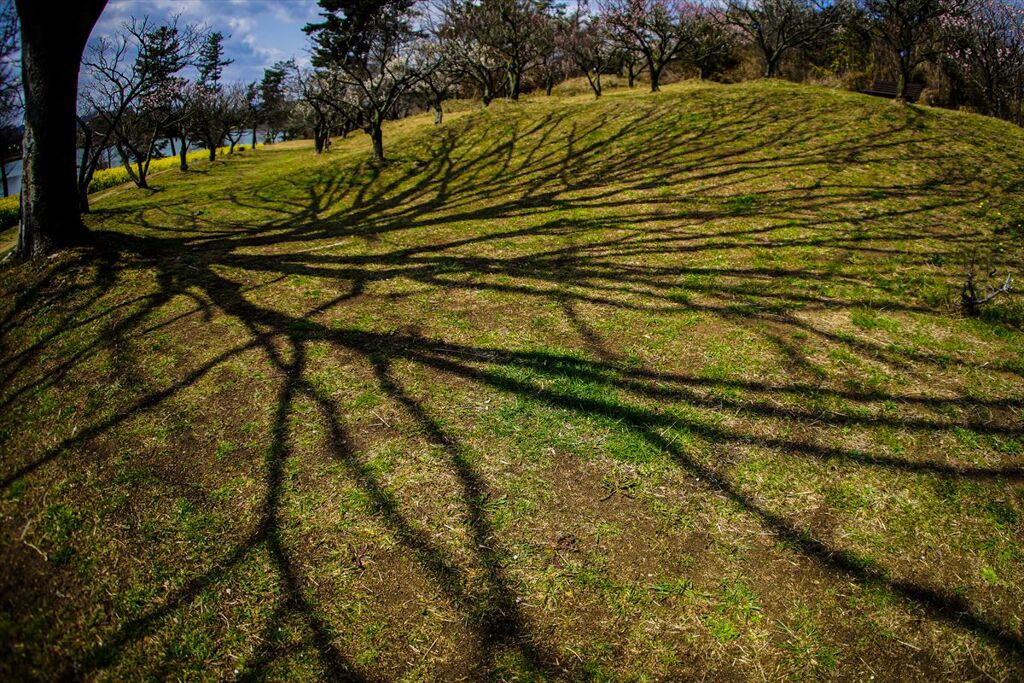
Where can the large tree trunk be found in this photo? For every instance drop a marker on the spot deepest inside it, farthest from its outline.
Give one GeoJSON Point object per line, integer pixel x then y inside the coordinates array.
{"type": "Point", "coordinates": [655, 77]}
{"type": "Point", "coordinates": [514, 81]}
{"type": "Point", "coordinates": [771, 66]}
{"type": "Point", "coordinates": [377, 135]}
{"type": "Point", "coordinates": [51, 51]}
{"type": "Point", "coordinates": [254, 137]}
{"type": "Point", "coordinates": [901, 81]}
{"type": "Point", "coordinates": [438, 113]}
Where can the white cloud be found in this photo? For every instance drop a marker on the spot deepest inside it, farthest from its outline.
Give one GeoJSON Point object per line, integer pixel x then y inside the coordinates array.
{"type": "Point", "coordinates": [258, 32]}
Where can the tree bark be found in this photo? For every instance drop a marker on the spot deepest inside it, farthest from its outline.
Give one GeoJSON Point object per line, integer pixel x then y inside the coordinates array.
{"type": "Point", "coordinates": [655, 78]}
{"type": "Point", "coordinates": [183, 154]}
{"type": "Point", "coordinates": [51, 51]}
{"type": "Point", "coordinates": [901, 83]}
{"type": "Point", "coordinates": [3, 174]}
{"type": "Point", "coordinates": [514, 82]}
{"type": "Point", "coordinates": [438, 114]}
{"type": "Point", "coordinates": [630, 76]}
{"type": "Point", "coordinates": [377, 135]}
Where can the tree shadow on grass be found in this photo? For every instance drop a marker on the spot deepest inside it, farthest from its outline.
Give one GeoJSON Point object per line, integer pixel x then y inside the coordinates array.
{"type": "Point", "coordinates": [472, 177]}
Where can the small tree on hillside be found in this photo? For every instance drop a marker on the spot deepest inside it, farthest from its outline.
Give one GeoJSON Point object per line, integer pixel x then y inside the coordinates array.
{"type": "Point", "coordinates": [460, 35]}
{"type": "Point", "coordinates": [440, 75]}
{"type": "Point", "coordinates": [629, 61]}
{"type": "Point", "coordinates": [182, 116]}
{"type": "Point", "coordinates": [212, 110]}
{"type": "Point", "coordinates": [657, 29]}
{"type": "Point", "coordinates": [142, 125]}
{"type": "Point", "coordinates": [778, 27]}
{"type": "Point", "coordinates": [515, 31]}
{"type": "Point", "coordinates": [588, 45]}
{"type": "Point", "coordinates": [553, 64]}
{"type": "Point", "coordinates": [122, 72]}
{"type": "Point", "coordinates": [321, 102]}
{"type": "Point", "coordinates": [377, 69]}
{"type": "Point", "coordinates": [911, 32]}
{"type": "Point", "coordinates": [274, 102]}
{"type": "Point", "coordinates": [253, 108]}
{"type": "Point", "coordinates": [712, 43]}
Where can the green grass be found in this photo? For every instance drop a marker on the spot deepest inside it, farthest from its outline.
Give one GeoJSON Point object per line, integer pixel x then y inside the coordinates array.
{"type": "Point", "coordinates": [658, 387]}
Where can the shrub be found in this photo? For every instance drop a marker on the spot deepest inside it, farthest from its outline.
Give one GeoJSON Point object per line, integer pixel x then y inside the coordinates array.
{"type": "Point", "coordinates": [9, 211]}
{"type": "Point", "coordinates": [933, 97]}
{"type": "Point", "coordinates": [856, 81]}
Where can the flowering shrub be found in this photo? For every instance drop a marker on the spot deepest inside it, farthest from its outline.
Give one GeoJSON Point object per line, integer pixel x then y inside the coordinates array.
{"type": "Point", "coordinates": [9, 210]}
{"type": "Point", "coordinates": [107, 178]}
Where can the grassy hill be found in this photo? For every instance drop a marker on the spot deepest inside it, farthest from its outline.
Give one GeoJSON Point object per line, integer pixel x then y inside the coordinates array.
{"type": "Point", "coordinates": [656, 387]}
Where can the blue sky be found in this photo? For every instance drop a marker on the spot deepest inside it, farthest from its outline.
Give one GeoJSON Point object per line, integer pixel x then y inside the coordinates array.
{"type": "Point", "coordinates": [259, 32]}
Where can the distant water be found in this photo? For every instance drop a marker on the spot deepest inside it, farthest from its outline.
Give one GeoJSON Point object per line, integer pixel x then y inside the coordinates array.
{"type": "Point", "coordinates": [13, 177]}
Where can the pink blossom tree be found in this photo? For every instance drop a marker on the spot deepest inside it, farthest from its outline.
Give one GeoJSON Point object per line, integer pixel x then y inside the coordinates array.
{"type": "Point", "coordinates": [987, 51]}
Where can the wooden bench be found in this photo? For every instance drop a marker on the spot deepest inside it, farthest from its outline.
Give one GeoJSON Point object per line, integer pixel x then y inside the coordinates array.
{"type": "Point", "coordinates": [888, 89]}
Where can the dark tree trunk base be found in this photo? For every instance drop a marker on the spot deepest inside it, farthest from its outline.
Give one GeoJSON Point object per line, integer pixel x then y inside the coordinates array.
{"type": "Point", "coordinates": [51, 51]}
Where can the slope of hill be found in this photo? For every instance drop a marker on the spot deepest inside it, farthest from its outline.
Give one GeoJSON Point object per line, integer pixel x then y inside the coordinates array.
{"type": "Point", "coordinates": [654, 387]}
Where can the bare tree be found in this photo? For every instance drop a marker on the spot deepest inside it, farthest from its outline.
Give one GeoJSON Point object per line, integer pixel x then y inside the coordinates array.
{"type": "Point", "coordinates": [777, 27]}
{"type": "Point", "coordinates": [179, 127]}
{"type": "Point", "coordinates": [588, 45]}
{"type": "Point", "coordinates": [514, 30]}
{"type": "Point", "coordinates": [142, 125]}
{"type": "Point", "coordinates": [553, 64]}
{"type": "Point", "coordinates": [631, 61]}
{"type": "Point", "coordinates": [911, 32]}
{"type": "Point", "coordinates": [441, 75]}
{"type": "Point", "coordinates": [322, 102]}
{"type": "Point", "coordinates": [380, 73]}
{"type": "Point", "coordinates": [460, 35]}
{"type": "Point", "coordinates": [712, 44]}
{"type": "Point", "coordinates": [657, 29]}
{"type": "Point", "coordinates": [127, 74]}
